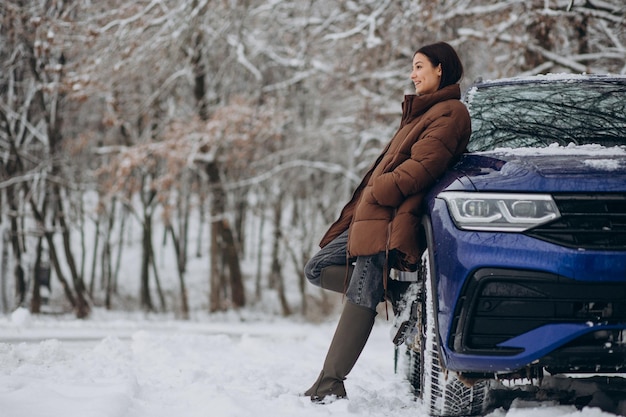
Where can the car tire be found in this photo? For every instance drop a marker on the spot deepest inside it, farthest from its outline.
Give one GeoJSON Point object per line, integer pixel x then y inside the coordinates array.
{"type": "Point", "coordinates": [442, 392]}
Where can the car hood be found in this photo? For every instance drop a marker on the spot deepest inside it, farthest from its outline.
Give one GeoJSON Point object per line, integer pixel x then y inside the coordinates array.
{"type": "Point", "coordinates": [553, 169]}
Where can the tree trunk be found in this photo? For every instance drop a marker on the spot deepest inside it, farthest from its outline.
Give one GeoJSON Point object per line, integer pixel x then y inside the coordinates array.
{"type": "Point", "coordinates": [35, 302]}
{"type": "Point", "coordinates": [54, 259]}
{"type": "Point", "coordinates": [106, 259]}
{"type": "Point", "coordinates": [201, 226]}
{"type": "Point", "coordinates": [82, 307]}
{"type": "Point", "coordinates": [259, 261]}
{"type": "Point", "coordinates": [276, 275]}
{"type": "Point", "coordinates": [299, 264]}
{"type": "Point", "coordinates": [157, 280]}
{"type": "Point", "coordinates": [18, 273]}
{"type": "Point", "coordinates": [144, 296]}
{"type": "Point", "coordinates": [240, 220]}
{"type": "Point", "coordinates": [105, 270]}
{"type": "Point", "coordinates": [223, 248]}
{"type": "Point", "coordinates": [120, 247]}
{"type": "Point", "coordinates": [3, 271]}
{"type": "Point", "coordinates": [94, 258]}
{"type": "Point", "coordinates": [181, 263]}
{"type": "Point", "coordinates": [215, 301]}
{"type": "Point", "coordinates": [231, 256]}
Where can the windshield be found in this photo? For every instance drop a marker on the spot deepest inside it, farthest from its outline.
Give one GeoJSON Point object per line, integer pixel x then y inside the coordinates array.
{"type": "Point", "coordinates": [540, 114]}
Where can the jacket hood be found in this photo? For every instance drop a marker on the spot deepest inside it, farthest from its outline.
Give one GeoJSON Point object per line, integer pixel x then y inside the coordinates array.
{"type": "Point", "coordinates": [589, 168]}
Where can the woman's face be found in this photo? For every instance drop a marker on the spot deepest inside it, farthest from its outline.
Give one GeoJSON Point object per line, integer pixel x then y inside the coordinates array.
{"type": "Point", "coordinates": [425, 76]}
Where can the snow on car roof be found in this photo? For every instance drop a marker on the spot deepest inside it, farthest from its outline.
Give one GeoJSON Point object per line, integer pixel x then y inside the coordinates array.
{"type": "Point", "coordinates": [552, 77]}
{"type": "Point", "coordinates": [600, 157]}
{"type": "Point", "coordinates": [603, 157]}
{"type": "Point", "coordinates": [556, 149]}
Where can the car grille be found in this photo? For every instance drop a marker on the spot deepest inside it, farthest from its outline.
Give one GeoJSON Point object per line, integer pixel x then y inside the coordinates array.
{"type": "Point", "coordinates": [587, 222]}
{"type": "Point", "coordinates": [501, 304]}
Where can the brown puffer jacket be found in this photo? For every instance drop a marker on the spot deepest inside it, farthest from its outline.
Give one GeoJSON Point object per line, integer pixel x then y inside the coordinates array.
{"type": "Point", "coordinates": [385, 209]}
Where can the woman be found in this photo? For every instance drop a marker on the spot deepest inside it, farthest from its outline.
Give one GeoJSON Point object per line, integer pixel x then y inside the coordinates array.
{"type": "Point", "coordinates": [378, 227]}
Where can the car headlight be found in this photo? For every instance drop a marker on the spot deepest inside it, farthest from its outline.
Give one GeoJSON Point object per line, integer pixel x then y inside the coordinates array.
{"type": "Point", "coordinates": [504, 212]}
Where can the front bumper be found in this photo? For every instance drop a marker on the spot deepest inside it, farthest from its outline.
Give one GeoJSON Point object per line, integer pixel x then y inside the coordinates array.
{"type": "Point", "coordinates": [506, 300]}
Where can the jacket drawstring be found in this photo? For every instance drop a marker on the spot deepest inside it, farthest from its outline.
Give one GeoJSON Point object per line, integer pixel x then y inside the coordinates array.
{"type": "Point", "coordinates": [385, 276]}
{"type": "Point", "coordinates": [386, 265]}
{"type": "Point", "coordinates": [346, 278]}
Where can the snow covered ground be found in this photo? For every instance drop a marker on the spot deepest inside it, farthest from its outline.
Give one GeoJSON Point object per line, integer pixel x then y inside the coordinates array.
{"type": "Point", "coordinates": [231, 365]}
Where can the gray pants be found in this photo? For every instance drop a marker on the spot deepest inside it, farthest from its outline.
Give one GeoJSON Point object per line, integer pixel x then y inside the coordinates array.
{"type": "Point", "coordinates": [366, 284]}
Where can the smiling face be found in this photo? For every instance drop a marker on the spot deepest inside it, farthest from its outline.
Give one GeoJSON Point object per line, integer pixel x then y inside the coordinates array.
{"type": "Point", "coordinates": [424, 75]}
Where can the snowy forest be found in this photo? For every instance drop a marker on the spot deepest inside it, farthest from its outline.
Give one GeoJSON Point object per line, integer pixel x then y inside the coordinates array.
{"type": "Point", "coordinates": [184, 155]}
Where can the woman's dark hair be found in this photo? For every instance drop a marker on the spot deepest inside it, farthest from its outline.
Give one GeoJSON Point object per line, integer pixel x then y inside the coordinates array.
{"type": "Point", "coordinates": [444, 54]}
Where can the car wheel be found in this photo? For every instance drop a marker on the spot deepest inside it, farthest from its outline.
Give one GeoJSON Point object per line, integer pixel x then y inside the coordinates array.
{"type": "Point", "coordinates": [441, 392]}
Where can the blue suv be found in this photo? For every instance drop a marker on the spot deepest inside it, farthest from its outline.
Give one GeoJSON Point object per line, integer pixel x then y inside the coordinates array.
{"type": "Point", "coordinates": [524, 276]}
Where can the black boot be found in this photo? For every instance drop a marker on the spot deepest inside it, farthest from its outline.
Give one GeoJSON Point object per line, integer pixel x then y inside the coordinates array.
{"type": "Point", "coordinates": [353, 330]}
